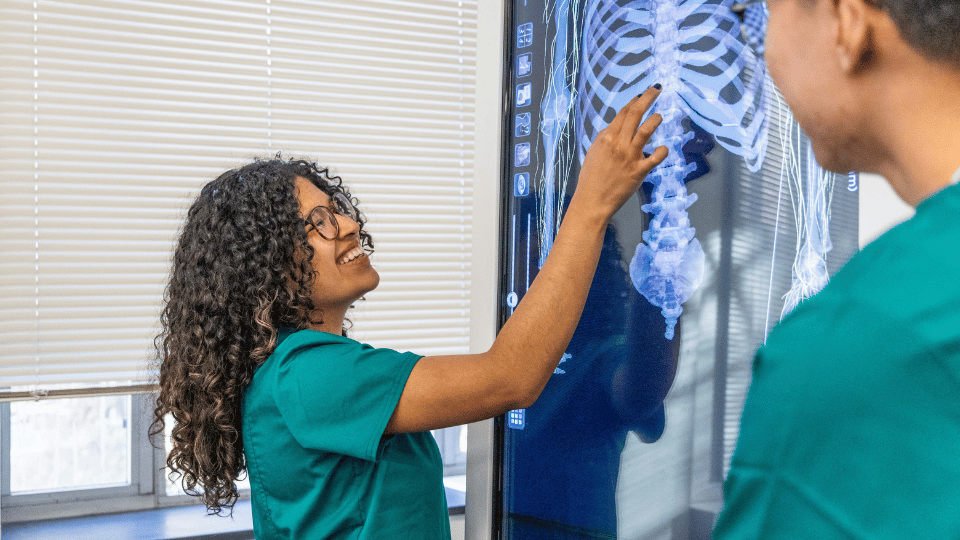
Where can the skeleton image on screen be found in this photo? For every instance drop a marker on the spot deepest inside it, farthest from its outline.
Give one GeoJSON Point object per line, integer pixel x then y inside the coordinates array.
{"type": "Point", "coordinates": [692, 48]}
{"type": "Point", "coordinates": [811, 190]}
{"type": "Point", "coordinates": [632, 434]}
{"type": "Point", "coordinates": [555, 113]}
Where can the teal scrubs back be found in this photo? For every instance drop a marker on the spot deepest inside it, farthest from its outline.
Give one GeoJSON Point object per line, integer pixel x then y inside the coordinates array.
{"type": "Point", "coordinates": [320, 466]}
{"type": "Point", "coordinates": [851, 427]}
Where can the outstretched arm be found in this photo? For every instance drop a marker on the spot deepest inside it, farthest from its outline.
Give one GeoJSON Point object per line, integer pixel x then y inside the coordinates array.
{"type": "Point", "coordinates": [445, 391]}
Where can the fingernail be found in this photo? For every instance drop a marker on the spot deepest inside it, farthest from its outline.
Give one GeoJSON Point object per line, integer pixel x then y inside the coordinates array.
{"type": "Point", "coordinates": [657, 86]}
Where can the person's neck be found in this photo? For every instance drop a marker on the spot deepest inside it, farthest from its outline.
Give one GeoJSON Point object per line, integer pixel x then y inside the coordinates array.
{"type": "Point", "coordinates": [332, 321]}
{"type": "Point", "coordinates": [920, 131]}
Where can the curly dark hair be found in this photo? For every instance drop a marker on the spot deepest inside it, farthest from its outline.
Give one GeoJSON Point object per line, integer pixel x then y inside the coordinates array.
{"type": "Point", "coordinates": [238, 276]}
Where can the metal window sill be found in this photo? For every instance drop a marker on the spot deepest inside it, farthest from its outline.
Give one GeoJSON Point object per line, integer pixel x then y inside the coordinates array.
{"type": "Point", "coordinates": [175, 523]}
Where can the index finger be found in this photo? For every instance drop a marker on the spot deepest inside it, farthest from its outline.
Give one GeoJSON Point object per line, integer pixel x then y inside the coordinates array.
{"type": "Point", "coordinates": [628, 119]}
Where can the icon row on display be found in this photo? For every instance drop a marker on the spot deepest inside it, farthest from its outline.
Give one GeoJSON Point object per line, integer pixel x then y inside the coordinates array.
{"type": "Point", "coordinates": [522, 128]}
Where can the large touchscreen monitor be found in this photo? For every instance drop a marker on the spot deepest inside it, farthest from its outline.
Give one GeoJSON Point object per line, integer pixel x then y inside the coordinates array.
{"type": "Point", "coordinates": [633, 433]}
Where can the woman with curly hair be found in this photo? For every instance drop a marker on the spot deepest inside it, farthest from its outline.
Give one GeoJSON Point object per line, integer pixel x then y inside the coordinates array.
{"type": "Point", "coordinates": [259, 376]}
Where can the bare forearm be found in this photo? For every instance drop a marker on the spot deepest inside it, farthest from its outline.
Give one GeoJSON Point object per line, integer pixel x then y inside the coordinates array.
{"type": "Point", "coordinates": [448, 390]}
{"type": "Point", "coordinates": [532, 341]}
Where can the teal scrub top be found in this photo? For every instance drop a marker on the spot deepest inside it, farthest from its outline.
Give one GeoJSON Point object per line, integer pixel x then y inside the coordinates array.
{"type": "Point", "coordinates": [319, 464]}
{"type": "Point", "coordinates": [851, 427]}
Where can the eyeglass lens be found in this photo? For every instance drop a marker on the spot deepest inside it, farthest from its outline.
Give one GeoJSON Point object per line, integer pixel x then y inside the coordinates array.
{"type": "Point", "coordinates": [323, 219]}
{"type": "Point", "coordinates": [324, 222]}
{"type": "Point", "coordinates": [344, 207]}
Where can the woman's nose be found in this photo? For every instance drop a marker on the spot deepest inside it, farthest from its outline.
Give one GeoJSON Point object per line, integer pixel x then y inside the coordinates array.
{"type": "Point", "coordinates": [347, 226]}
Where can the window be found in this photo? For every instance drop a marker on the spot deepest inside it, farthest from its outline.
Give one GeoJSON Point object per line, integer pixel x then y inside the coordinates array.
{"type": "Point", "coordinates": [453, 446]}
{"type": "Point", "coordinates": [71, 456]}
{"type": "Point", "coordinates": [68, 444]}
{"type": "Point", "coordinates": [113, 113]}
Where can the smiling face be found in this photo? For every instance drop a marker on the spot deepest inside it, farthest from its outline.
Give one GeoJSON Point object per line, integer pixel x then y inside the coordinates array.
{"type": "Point", "coordinates": [342, 269]}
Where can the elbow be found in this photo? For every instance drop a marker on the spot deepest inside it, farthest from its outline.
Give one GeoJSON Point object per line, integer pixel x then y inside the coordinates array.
{"type": "Point", "coordinates": [508, 397]}
{"type": "Point", "coordinates": [526, 401]}
{"type": "Point", "coordinates": [525, 395]}
{"type": "Point", "coordinates": [509, 393]}
{"type": "Point", "coordinates": [516, 386]}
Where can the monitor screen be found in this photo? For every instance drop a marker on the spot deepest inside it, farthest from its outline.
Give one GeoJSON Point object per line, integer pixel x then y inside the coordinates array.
{"type": "Point", "coordinates": [632, 436]}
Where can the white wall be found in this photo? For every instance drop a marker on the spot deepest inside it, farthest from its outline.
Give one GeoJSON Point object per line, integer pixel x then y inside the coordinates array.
{"type": "Point", "coordinates": [456, 527]}
{"type": "Point", "coordinates": [880, 208]}
{"type": "Point", "coordinates": [485, 257]}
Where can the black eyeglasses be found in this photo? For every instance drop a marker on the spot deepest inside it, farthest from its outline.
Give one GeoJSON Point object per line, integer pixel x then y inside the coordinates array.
{"type": "Point", "coordinates": [324, 218]}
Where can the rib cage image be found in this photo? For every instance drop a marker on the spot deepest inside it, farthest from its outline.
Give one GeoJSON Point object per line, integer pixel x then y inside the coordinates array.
{"type": "Point", "coordinates": [692, 49]}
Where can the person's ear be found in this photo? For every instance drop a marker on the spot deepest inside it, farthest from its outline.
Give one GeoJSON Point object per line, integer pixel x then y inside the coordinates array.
{"type": "Point", "coordinates": [855, 35]}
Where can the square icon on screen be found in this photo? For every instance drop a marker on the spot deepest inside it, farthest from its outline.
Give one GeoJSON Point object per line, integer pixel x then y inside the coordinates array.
{"type": "Point", "coordinates": [522, 125]}
{"type": "Point", "coordinates": [525, 35]}
{"type": "Point", "coordinates": [521, 155]}
{"type": "Point", "coordinates": [516, 419]}
{"type": "Point", "coordinates": [524, 64]}
{"type": "Point", "coordinates": [524, 94]}
{"type": "Point", "coordinates": [521, 184]}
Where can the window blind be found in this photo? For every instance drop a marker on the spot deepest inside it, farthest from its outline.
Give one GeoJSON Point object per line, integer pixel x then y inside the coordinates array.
{"type": "Point", "coordinates": [113, 113]}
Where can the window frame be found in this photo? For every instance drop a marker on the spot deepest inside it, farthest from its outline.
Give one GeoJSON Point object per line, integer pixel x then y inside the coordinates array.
{"type": "Point", "coordinates": [147, 488]}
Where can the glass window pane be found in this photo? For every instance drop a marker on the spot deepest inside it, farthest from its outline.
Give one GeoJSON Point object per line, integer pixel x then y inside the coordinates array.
{"type": "Point", "coordinates": [453, 448]}
{"type": "Point", "coordinates": [74, 443]}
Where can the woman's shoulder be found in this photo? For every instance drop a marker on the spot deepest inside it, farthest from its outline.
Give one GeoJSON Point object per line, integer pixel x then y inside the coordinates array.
{"type": "Point", "coordinates": [289, 339]}
{"type": "Point", "coordinates": [294, 345]}
{"type": "Point", "coordinates": [320, 355]}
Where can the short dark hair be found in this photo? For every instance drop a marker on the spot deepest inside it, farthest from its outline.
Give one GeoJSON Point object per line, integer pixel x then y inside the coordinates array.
{"type": "Point", "coordinates": [932, 27]}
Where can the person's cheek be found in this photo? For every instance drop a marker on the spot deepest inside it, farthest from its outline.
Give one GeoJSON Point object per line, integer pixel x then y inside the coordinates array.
{"type": "Point", "coordinates": [771, 50]}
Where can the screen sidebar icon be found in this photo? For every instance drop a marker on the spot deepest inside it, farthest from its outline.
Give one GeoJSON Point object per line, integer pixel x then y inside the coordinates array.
{"type": "Point", "coordinates": [525, 35]}
{"type": "Point", "coordinates": [521, 155]}
{"type": "Point", "coordinates": [522, 124]}
{"type": "Point", "coordinates": [524, 64]}
{"type": "Point", "coordinates": [516, 419]}
{"type": "Point", "coordinates": [524, 94]}
{"type": "Point", "coordinates": [521, 184]}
